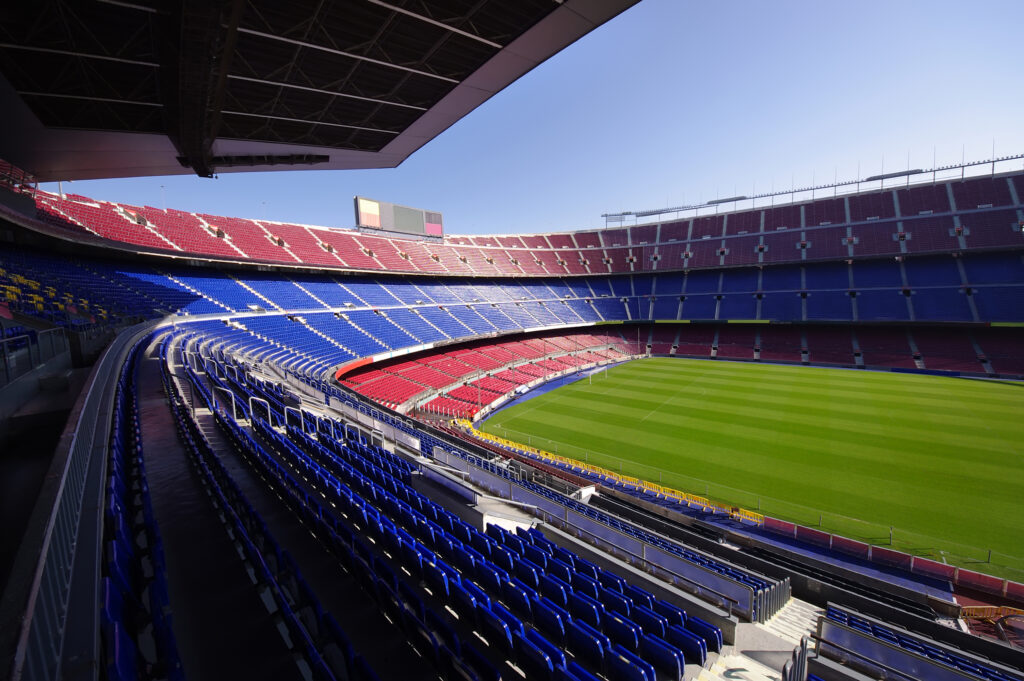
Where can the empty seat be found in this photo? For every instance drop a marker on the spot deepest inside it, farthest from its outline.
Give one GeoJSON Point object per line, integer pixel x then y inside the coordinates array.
{"type": "Point", "coordinates": [622, 630]}
{"type": "Point", "coordinates": [535, 662]}
{"type": "Point", "coordinates": [624, 665]}
{"type": "Point", "coordinates": [693, 646]}
{"type": "Point", "coordinates": [587, 644]}
{"type": "Point", "coordinates": [667, 660]}
{"type": "Point", "coordinates": [585, 608]}
{"type": "Point", "coordinates": [711, 634]}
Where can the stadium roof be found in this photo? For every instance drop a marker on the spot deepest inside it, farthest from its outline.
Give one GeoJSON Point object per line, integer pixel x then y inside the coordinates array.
{"type": "Point", "coordinates": [111, 88]}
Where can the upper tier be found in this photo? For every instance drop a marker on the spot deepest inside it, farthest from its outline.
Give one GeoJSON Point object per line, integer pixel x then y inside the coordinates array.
{"type": "Point", "coordinates": [973, 214]}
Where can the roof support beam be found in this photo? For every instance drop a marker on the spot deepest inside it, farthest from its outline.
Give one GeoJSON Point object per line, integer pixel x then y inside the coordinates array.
{"type": "Point", "coordinates": [199, 40]}
{"type": "Point", "coordinates": [108, 100]}
{"type": "Point", "coordinates": [309, 122]}
{"type": "Point", "coordinates": [305, 88]}
{"type": "Point", "coordinates": [350, 55]}
{"type": "Point", "coordinates": [434, 22]}
{"type": "Point", "coordinates": [82, 55]}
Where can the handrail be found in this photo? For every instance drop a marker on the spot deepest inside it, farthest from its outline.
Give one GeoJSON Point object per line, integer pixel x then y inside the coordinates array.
{"type": "Point", "coordinates": [71, 546]}
{"type": "Point", "coordinates": [34, 346]}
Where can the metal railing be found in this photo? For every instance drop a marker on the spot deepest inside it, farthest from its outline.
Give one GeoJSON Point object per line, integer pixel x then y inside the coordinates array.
{"type": "Point", "coordinates": [70, 553]}
{"type": "Point", "coordinates": [22, 354]}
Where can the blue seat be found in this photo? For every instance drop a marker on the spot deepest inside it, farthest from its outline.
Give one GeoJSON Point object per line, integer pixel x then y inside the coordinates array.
{"type": "Point", "coordinates": [535, 554]}
{"type": "Point", "coordinates": [581, 582]}
{"type": "Point", "coordinates": [527, 572]}
{"type": "Point", "coordinates": [463, 603]}
{"type": "Point", "coordinates": [639, 596]}
{"type": "Point", "coordinates": [437, 581]}
{"type": "Point", "coordinates": [652, 622]}
{"type": "Point", "coordinates": [495, 629]}
{"type": "Point", "coordinates": [490, 579]}
{"type": "Point", "coordinates": [483, 667]}
{"type": "Point", "coordinates": [537, 638]}
{"type": "Point", "coordinates": [587, 644]}
{"type": "Point", "coordinates": [503, 558]}
{"type": "Point", "coordinates": [121, 655]}
{"type": "Point", "coordinates": [622, 630]}
{"type": "Point", "coordinates": [547, 618]}
{"type": "Point", "coordinates": [514, 623]}
{"type": "Point", "coordinates": [609, 581]}
{"type": "Point", "coordinates": [586, 608]}
{"type": "Point", "coordinates": [667, 660]}
{"type": "Point", "coordinates": [480, 543]}
{"type": "Point", "coordinates": [566, 557]}
{"type": "Point", "coordinates": [476, 592]}
{"type": "Point", "coordinates": [586, 567]}
{"type": "Point", "coordinates": [560, 569]}
{"type": "Point", "coordinates": [495, 532]}
{"type": "Point", "coordinates": [693, 646]}
{"type": "Point", "coordinates": [442, 630]}
{"type": "Point", "coordinates": [535, 662]}
{"type": "Point", "coordinates": [624, 665]}
{"type": "Point", "coordinates": [555, 589]}
{"type": "Point", "coordinates": [518, 598]}
{"type": "Point", "coordinates": [615, 601]}
{"type": "Point", "coordinates": [513, 542]}
{"type": "Point", "coordinates": [711, 634]}
{"type": "Point", "coordinates": [673, 614]}
{"type": "Point", "coordinates": [574, 672]}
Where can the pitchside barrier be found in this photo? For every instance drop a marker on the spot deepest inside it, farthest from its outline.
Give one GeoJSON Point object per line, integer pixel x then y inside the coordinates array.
{"type": "Point", "coordinates": [725, 593]}
{"type": "Point", "coordinates": [876, 554]}
{"type": "Point", "coordinates": [890, 557]}
{"type": "Point", "coordinates": [691, 500]}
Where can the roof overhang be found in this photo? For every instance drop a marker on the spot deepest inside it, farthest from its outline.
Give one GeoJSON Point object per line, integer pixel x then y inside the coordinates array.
{"type": "Point", "coordinates": [53, 153]}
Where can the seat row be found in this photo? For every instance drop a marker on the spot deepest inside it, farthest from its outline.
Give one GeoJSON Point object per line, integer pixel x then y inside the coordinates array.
{"type": "Point", "coordinates": [135, 619]}
{"type": "Point", "coordinates": [444, 574]}
{"type": "Point", "coordinates": [313, 634]}
{"type": "Point", "coordinates": [906, 640]}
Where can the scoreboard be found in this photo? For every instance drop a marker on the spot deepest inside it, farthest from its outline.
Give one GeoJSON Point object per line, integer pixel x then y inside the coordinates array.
{"type": "Point", "coordinates": [390, 217]}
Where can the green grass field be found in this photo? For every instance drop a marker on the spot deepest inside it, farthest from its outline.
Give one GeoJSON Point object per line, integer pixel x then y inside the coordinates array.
{"type": "Point", "coordinates": [939, 459]}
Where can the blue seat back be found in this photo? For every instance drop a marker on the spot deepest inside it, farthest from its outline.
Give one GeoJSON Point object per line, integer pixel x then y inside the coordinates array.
{"type": "Point", "coordinates": [587, 644]}
{"type": "Point", "coordinates": [548, 619]}
{"type": "Point", "coordinates": [652, 622]}
{"type": "Point", "coordinates": [673, 614]}
{"type": "Point", "coordinates": [621, 630]}
{"type": "Point", "coordinates": [693, 646]}
{"type": "Point", "coordinates": [668, 660]}
{"type": "Point", "coordinates": [553, 651]}
{"type": "Point", "coordinates": [639, 596]}
{"type": "Point", "coordinates": [532, 660]}
{"type": "Point", "coordinates": [615, 601]}
{"type": "Point", "coordinates": [624, 665]}
{"type": "Point", "coordinates": [495, 629]}
{"type": "Point", "coordinates": [585, 584]}
{"type": "Point", "coordinates": [555, 589]}
{"type": "Point", "coordinates": [711, 634]}
{"type": "Point", "coordinates": [514, 623]}
{"type": "Point", "coordinates": [560, 569]}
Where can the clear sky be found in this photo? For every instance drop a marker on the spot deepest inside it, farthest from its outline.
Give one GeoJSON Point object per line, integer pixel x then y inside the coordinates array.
{"type": "Point", "coordinates": [677, 102]}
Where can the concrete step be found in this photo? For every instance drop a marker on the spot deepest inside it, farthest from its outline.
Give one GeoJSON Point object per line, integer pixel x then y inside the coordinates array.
{"type": "Point", "coordinates": [794, 621]}
{"type": "Point", "coordinates": [740, 667]}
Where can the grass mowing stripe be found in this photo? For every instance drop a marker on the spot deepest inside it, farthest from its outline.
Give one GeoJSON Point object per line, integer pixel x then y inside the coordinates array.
{"type": "Point", "coordinates": [933, 456]}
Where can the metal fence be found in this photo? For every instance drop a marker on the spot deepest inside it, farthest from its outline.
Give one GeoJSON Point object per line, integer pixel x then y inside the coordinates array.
{"type": "Point", "coordinates": [21, 354]}
{"type": "Point", "coordinates": [71, 544]}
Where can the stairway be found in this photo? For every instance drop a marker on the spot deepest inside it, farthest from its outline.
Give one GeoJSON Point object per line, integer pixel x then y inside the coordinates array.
{"type": "Point", "coordinates": [795, 620]}
{"type": "Point", "coordinates": [196, 291]}
{"type": "Point", "coordinates": [738, 667]}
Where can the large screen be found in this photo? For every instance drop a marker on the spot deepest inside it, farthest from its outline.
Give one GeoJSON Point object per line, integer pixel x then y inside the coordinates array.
{"type": "Point", "coordinates": [391, 217]}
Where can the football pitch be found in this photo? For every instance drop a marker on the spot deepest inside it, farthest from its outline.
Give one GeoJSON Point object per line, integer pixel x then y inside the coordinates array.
{"type": "Point", "coordinates": [940, 460]}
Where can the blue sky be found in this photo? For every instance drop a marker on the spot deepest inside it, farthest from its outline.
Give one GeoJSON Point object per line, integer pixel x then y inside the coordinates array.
{"type": "Point", "coordinates": [675, 103]}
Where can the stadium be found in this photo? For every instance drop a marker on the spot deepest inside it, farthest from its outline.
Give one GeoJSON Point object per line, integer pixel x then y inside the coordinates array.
{"type": "Point", "coordinates": [767, 436]}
